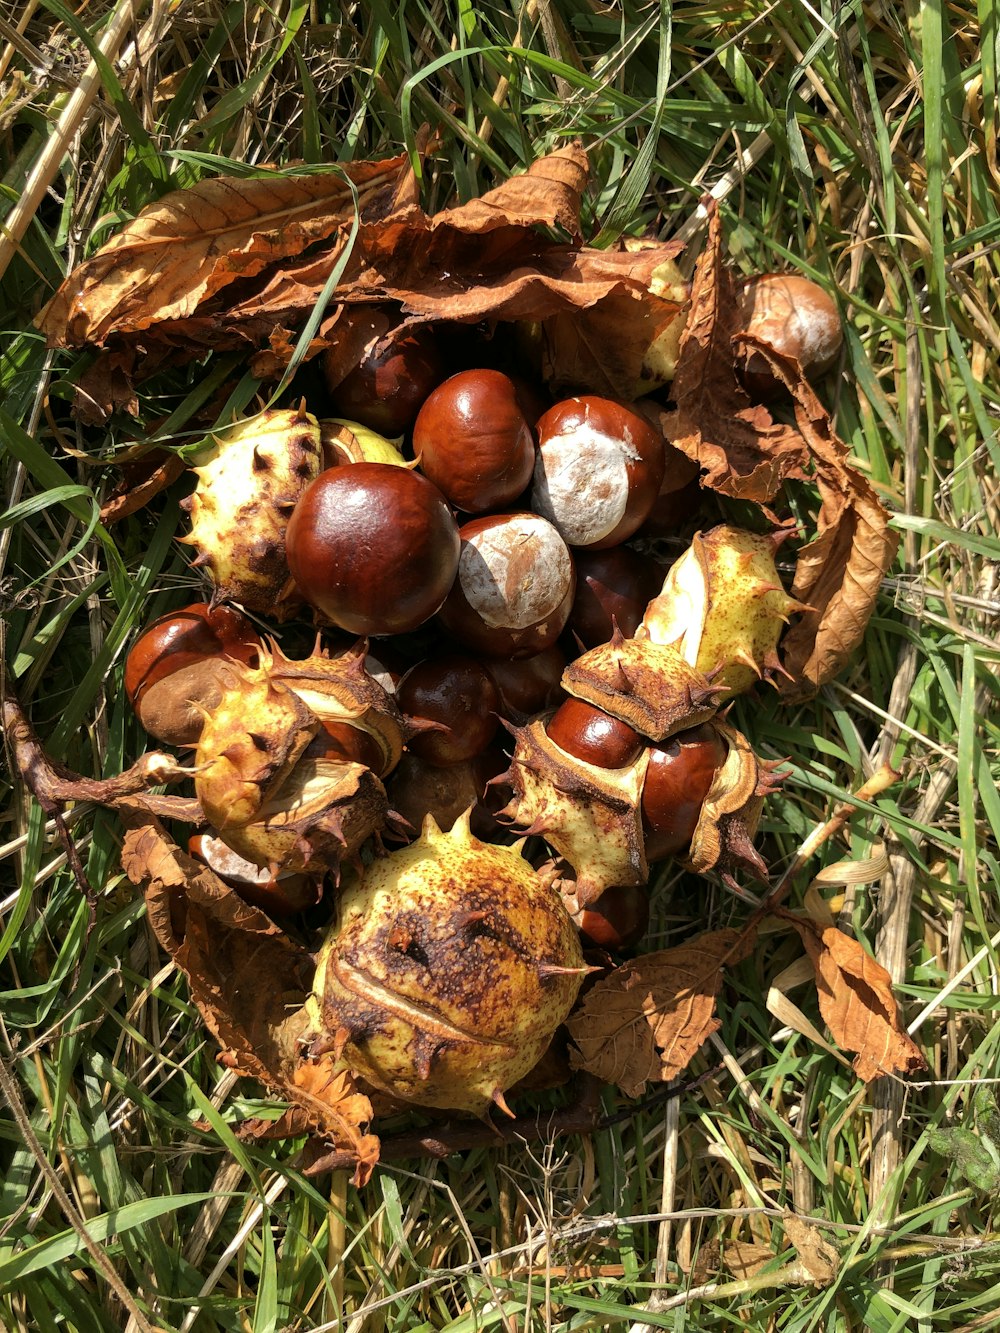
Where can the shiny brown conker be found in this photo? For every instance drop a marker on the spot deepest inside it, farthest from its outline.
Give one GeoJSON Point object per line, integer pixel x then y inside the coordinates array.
{"type": "Point", "coordinates": [528, 685]}
{"type": "Point", "coordinates": [374, 548]}
{"type": "Point", "coordinates": [617, 919]}
{"type": "Point", "coordinates": [678, 779]}
{"type": "Point", "coordinates": [613, 587]}
{"type": "Point", "coordinates": [514, 588]}
{"type": "Point", "coordinates": [417, 789]}
{"type": "Point", "coordinates": [174, 667]}
{"type": "Point", "coordinates": [472, 440]}
{"type": "Point", "coordinates": [598, 470]}
{"type": "Point", "coordinates": [590, 734]}
{"type": "Point", "coordinates": [394, 377]}
{"type": "Point", "coordinates": [457, 694]}
{"type": "Point", "coordinates": [796, 317]}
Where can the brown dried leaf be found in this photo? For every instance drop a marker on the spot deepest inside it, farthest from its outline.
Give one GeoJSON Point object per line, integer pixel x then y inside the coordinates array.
{"type": "Point", "coordinates": [745, 1259]}
{"type": "Point", "coordinates": [856, 1001]}
{"type": "Point", "coordinates": [249, 981]}
{"type": "Point", "coordinates": [746, 454]}
{"type": "Point", "coordinates": [603, 348]}
{"type": "Point", "coordinates": [181, 251]}
{"type": "Point", "coordinates": [742, 451]}
{"type": "Point", "coordinates": [645, 1022]}
{"type": "Point", "coordinates": [819, 1259]}
{"type": "Point", "coordinates": [839, 573]}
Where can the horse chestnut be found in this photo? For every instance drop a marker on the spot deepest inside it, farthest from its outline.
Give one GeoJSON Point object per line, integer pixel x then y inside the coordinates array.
{"type": "Point", "coordinates": [473, 441]}
{"type": "Point", "coordinates": [173, 671]}
{"type": "Point", "coordinates": [373, 547]}
{"type": "Point", "coordinates": [617, 919]}
{"type": "Point", "coordinates": [590, 734]}
{"type": "Point", "coordinates": [449, 968]}
{"type": "Point", "coordinates": [613, 587]}
{"type": "Point", "coordinates": [598, 470]}
{"type": "Point", "coordinates": [458, 694]}
{"type": "Point", "coordinates": [395, 375]}
{"type": "Point", "coordinates": [514, 588]}
{"type": "Point", "coordinates": [678, 779]}
{"type": "Point", "coordinates": [798, 319]}
{"type": "Point", "coordinates": [528, 685]}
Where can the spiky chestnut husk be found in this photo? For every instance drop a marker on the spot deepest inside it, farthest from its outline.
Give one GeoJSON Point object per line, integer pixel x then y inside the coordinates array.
{"type": "Point", "coordinates": [723, 838]}
{"type": "Point", "coordinates": [273, 771]}
{"type": "Point", "coordinates": [248, 485]}
{"type": "Point", "coordinates": [722, 606]}
{"type": "Point", "coordinates": [647, 684]}
{"type": "Point", "coordinates": [592, 816]}
{"type": "Point", "coordinates": [449, 968]}
{"type": "Point", "coordinates": [351, 442]}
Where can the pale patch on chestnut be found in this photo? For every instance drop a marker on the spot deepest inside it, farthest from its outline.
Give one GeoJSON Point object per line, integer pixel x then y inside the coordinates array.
{"type": "Point", "coordinates": [581, 482]}
{"type": "Point", "coordinates": [515, 574]}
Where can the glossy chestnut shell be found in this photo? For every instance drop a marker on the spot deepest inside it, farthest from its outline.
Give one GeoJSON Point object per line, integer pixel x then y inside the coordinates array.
{"type": "Point", "coordinates": [590, 734]}
{"type": "Point", "coordinates": [458, 694]}
{"type": "Point", "coordinates": [173, 668]}
{"type": "Point", "coordinates": [677, 781]}
{"type": "Point", "coordinates": [374, 548]}
{"type": "Point", "coordinates": [514, 588]}
{"type": "Point", "coordinates": [386, 390]}
{"type": "Point", "coordinates": [617, 919]}
{"type": "Point", "coordinates": [473, 441]}
{"type": "Point", "coordinates": [613, 587]}
{"type": "Point", "coordinates": [598, 470]}
{"type": "Point", "coordinates": [528, 685]}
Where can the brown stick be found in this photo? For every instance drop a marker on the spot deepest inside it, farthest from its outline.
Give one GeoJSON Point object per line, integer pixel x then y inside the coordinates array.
{"type": "Point", "coordinates": [53, 785]}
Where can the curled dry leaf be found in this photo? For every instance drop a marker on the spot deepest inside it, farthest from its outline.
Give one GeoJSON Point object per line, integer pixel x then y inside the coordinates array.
{"type": "Point", "coordinates": [249, 980]}
{"type": "Point", "coordinates": [741, 449]}
{"type": "Point", "coordinates": [184, 249]}
{"type": "Point", "coordinates": [645, 1022]}
{"type": "Point", "coordinates": [856, 1001]}
{"type": "Point", "coordinates": [839, 573]}
{"type": "Point", "coordinates": [746, 454]}
{"type": "Point", "coordinates": [232, 264]}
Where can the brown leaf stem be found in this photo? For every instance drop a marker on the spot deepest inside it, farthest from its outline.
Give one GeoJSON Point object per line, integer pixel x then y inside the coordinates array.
{"type": "Point", "coordinates": [53, 785]}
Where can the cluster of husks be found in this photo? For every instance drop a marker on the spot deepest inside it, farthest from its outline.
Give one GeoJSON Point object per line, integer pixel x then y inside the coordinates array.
{"type": "Point", "coordinates": [451, 962]}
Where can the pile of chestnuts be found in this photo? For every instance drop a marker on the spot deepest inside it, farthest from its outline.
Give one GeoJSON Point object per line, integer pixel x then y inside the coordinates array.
{"type": "Point", "coordinates": [498, 653]}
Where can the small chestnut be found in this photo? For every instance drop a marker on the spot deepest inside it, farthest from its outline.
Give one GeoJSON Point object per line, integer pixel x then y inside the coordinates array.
{"type": "Point", "coordinates": [281, 896]}
{"type": "Point", "coordinates": [174, 668]}
{"type": "Point", "coordinates": [617, 919]}
{"type": "Point", "coordinates": [457, 694]}
{"type": "Point", "coordinates": [417, 789]}
{"type": "Point", "coordinates": [613, 587]}
{"type": "Point", "coordinates": [590, 734]}
{"type": "Point", "coordinates": [514, 588]}
{"type": "Point", "coordinates": [797, 318]}
{"type": "Point", "coordinates": [528, 685]}
{"type": "Point", "coordinates": [598, 470]}
{"type": "Point", "coordinates": [473, 442]}
{"type": "Point", "coordinates": [373, 547]}
{"type": "Point", "coordinates": [677, 781]}
{"type": "Point", "coordinates": [386, 389]}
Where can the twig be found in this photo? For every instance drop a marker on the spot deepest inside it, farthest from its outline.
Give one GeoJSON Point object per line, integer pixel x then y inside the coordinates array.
{"type": "Point", "coordinates": [46, 168]}
{"type": "Point", "coordinates": [53, 785]}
